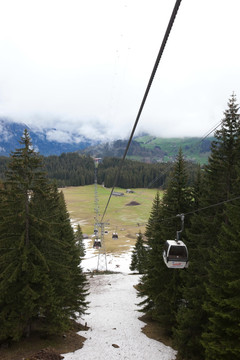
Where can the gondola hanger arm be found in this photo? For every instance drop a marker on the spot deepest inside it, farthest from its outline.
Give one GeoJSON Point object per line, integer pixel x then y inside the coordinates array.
{"type": "Point", "coordinates": [180, 231]}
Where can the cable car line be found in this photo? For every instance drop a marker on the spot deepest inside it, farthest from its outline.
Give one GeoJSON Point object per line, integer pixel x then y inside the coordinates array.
{"type": "Point", "coordinates": [213, 205]}
{"type": "Point", "coordinates": [188, 213]}
{"type": "Point", "coordinates": [175, 249]}
{"type": "Point", "coordinates": [210, 132]}
{"type": "Point", "coordinates": [201, 209]}
{"type": "Point", "coordinates": [164, 41]}
{"type": "Point", "coordinates": [171, 164]}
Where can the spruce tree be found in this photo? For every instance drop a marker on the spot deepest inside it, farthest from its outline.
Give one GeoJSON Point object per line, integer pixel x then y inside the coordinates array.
{"type": "Point", "coordinates": [40, 275]}
{"type": "Point", "coordinates": [190, 315]}
{"type": "Point", "coordinates": [219, 179]}
{"type": "Point", "coordinates": [24, 272]}
{"type": "Point", "coordinates": [74, 281]}
{"type": "Point", "coordinates": [148, 284]}
{"type": "Point", "coordinates": [139, 256]}
{"type": "Point", "coordinates": [221, 337]}
{"type": "Point", "coordinates": [79, 241]}
{"type": "Point", "coordinates": [222, 303]}
{"type": "Point", "coordinates": [176, 200]}
{"type": "Point", "coordinates": [161, 285]}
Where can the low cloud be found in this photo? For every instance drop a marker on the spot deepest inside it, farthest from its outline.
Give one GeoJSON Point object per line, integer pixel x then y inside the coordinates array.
{"type": "Point", "coordinates": [59, 136]}
{"type": "Point", "coordinates": [5, 134]}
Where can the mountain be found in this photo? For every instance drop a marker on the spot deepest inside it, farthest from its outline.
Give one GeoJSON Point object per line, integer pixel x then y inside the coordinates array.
{"type": "Point", "coordinates": [153, 149]}
{"type": "Point", "coordinates": [143, 148]}
{"type": "Point", "coordinates": [11, 132]}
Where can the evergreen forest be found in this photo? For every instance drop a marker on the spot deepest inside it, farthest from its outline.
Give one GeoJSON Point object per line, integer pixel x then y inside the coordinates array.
{"type": "Point", "coordinates": [72, 169]}
{"type": "Point", "coordinates": [42, 285]}
{"type": "Point", "coordinates": [198, 306]}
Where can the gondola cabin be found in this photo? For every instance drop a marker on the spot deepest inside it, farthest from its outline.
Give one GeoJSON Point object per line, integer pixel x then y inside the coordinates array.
{"type": "Point", "coordinates": [175, 254]}
{"type": "Point", "coordinates": [97, 244]}
{"type": "Point", "coordinates": [114, 235]}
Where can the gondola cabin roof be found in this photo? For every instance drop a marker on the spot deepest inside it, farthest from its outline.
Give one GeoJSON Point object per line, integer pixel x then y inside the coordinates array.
{"type": "Point", "coordinates": [175, 242]}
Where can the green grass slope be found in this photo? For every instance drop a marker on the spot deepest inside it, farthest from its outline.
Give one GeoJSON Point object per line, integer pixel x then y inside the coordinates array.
{"type": "Point", "coordinates": [127, 220]}
{"type": "Point", "coordinates": [193, 148]}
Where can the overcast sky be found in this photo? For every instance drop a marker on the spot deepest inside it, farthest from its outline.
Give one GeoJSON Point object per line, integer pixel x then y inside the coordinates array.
{"type": "Point", "coordinates": [84, 66]}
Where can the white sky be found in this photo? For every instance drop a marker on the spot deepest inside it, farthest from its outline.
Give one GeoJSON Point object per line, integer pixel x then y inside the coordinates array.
{"type": "Point", "coordinates": [83, 66]}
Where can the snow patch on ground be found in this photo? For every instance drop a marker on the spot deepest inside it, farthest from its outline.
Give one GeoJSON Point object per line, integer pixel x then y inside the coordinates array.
{"type": "Point", "coordinates": [113, 315]}
{"type": "Point", "coordinates": [118, 262]}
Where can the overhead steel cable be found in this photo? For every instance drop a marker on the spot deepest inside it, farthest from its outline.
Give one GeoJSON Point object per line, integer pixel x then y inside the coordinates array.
{"type": "Point", "coordinates": [213, 205]}
{"type": "Point", "coordinates": [203, 208]}
{"type": "Point", "coordinates": [164, 41]}
{"type": "Point", "coordinates": [190, 212]}
{"type": "Point", "coordinates": [171, 164]}
{"type": "Point", "coordinates": [209, 132]}
{"type": "Point", "coordinates": [198, 143]}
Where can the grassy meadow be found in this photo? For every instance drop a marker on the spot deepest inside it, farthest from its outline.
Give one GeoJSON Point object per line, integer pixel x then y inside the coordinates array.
{"type": "Point", "coordinates": [127, 221]}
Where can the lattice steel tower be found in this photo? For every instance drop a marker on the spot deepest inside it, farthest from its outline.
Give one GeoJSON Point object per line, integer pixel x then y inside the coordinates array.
{"type": "Point", "coordinates": [99, 227]}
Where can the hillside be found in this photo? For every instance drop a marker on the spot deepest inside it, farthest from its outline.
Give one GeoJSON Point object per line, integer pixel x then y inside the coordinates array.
{"type": "Point", "coordinates": [144, 148]}
{"type": "Point", "coordinates": [193, 148]}
{"type": "Point", "coordinates": [151, 149]}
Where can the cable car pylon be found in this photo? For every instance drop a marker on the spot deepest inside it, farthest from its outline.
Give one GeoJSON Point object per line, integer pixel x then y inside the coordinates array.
{"type": "Point", "coordinates": [99, 243]}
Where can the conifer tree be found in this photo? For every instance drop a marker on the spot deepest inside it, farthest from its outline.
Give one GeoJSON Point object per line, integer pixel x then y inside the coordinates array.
{"type": "Point", "coordinates": [222, 304]}
{"type": "Point", "coordinates": [148, 284]}
{"type": "Point", "coordinates": [190, 315]}
{"type": "Point", "coordinates": [221, 337]}
{"type": "Point", "coordinates": [139, 256]}
{"type": "Point", "coordinates": [39, 261]}
{"type": "Point", "coordinates": [74, 281]}
{"type": "Point", "coordinates": [62, 255]}
{"type": "Point", "coordinates": [160, 284]}
{"type": "Point", "coordinates": [79, 241]}
{"type": "Point", "coordinates": [219, 180]}
{"type": "Point", "coordinates": [24, 273]}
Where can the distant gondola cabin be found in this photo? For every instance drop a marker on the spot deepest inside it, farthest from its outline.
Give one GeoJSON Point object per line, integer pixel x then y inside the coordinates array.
{"type": "Point", "coordinates": [97, 244]}
{"type": "Point", "coordinates": [175, 254]}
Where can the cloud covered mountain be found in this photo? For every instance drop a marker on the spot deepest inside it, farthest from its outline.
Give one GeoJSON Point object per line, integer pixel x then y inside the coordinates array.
{"type": "Point", "coordinates": [143, 148]}
{"type": "Point", "coordinates": [46, 141]}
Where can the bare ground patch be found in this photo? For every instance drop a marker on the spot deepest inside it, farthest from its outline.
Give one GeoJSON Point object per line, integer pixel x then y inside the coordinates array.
{"type": "Point", "coordinates": [153, 330]}
{"type": "Point", "coordinates": [133, 203]}
{"type": "Point", "coordinates": [36, 348]}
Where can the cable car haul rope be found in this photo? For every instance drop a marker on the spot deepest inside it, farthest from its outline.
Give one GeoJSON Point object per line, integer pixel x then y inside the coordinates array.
{"type": "Point", "coordinates": [175, 252]}
{"type": "Point", "coordinates": [164, 41]}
